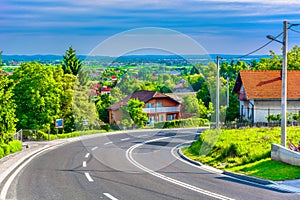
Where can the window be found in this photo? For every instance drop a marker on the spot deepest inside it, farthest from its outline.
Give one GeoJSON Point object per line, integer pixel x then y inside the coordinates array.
{"type": "Point", "coordinates": [158, 104]}
{"type": "Point", "coordinates": [161, 118]}
{"type": "Point", "coordinates": [149, 105]}
{"type": "Point", "coordinates": [170, 117]}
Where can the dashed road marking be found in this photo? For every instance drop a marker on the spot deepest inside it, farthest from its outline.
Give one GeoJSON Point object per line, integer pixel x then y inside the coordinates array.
{"type": "Point", "coordinates": [94, 148]}
{"type": "Point", "coordinates": [110, 196]}
{"type": "Point", "coordinates": [89, 178]}
{"type": "Point", "coordinates": [84, 164]}
{"type": "Point", "coordinates": [125, 139]}
{"type": "Point", "coordinates": [87, 155]}
{"type": "Point", "coordinates": [108, 143]}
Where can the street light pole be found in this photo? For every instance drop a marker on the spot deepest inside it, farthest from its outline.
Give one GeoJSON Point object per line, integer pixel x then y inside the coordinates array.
{"type": "Point", "coordinates": [218, 93]}
{"type": "Point", "coordinates": [284, 85]}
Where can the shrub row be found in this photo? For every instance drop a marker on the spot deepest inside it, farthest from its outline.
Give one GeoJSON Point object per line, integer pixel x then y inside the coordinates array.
{"type": "Point", "coordinates": [40, 135]}
{"type": "Point", "coordinates": [11, 147]}
{"type": "Point", "coordinates": [182, 123]}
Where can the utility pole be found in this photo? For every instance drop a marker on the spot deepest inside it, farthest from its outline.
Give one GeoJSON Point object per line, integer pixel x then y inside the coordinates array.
{"type": "Point", "coordinates": [284, 84]}
{"type": "Point", "coordinates": [218, 94]}
{"type": "Point", "coordinates": [227, 92]}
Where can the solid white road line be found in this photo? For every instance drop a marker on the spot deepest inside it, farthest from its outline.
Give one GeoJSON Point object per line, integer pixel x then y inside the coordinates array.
{"type": "Point", "coordinates": [108, 143]}
{"type": "Point", "coordinates": [17, 171]}
{"type": "Point", "coordinates": [166, 178]}
{"type": "Point", "coordinates": [124, 139]}
{"type": "Point", "coordinates": [89, 178]}
{"type": "Point", "coordinates": [87, 155]}
{"type": "Point", "coordinates": [110, 196]}
{"type": "Point", "coordinates": [94, 148]}
{"type": "Point", "coordinates": [203, 167]}
{"type": "Point", "coordinates": [84, 164]}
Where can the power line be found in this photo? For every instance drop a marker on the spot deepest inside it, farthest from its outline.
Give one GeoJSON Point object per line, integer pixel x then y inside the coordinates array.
{"type": "Point", "coordinates": [294, 30]}
{"type": "Point", "coordinates": [256, 50]}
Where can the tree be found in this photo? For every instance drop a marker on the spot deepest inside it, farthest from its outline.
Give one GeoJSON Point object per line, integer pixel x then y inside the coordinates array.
{"type": "Point", "coordinates": [66, 105]}
{"type": "Point", "coordinates": [190, 105]}
{"type": "Point", "coordinates": [294, 58]}
{"type": "Point", "coordinates": [1, 58]}
{"type": "Point", "coordinates": [83, 108]}
{"type": "Point", "coordinates": [136, 112]}
{"type": "Point", "coordinates": [71, 64]}
{"type": "Point", "coordinates": [102, 103]}
{"type": "Point", "coordinates": [7, 109]}
{"type": "Point", "coordinates": [37, 95]}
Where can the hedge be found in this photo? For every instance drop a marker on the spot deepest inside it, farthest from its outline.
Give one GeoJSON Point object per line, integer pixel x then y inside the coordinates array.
{"type": "Point", "coordinates": [11, 147]}
{"type": "Point", "coordinates": [182, 123]}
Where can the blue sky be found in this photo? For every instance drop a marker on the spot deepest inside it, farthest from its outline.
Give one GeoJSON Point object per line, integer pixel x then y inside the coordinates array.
{"type": "Point", "coordinates": [220, 26]}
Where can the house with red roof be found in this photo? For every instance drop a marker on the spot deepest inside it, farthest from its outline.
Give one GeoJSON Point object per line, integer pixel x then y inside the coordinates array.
{"type": "Point", "coordinates": [105, 90]}
{"type": "Point", "coordinates": [159, 107]}
{"type": "Point", "coordinates": [259, 93]}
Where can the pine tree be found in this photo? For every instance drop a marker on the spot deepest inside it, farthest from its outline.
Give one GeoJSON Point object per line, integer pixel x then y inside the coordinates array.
{"type": "Point", "coordinates": [71, 64]}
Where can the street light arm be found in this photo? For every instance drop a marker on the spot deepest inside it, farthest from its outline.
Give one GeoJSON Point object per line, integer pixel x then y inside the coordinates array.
{"type": "Point", "coordinates": [270, 37]}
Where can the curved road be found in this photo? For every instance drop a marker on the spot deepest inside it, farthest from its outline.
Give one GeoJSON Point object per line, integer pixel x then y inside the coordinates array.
{"type": "Point", "coordinates": [136, 165]}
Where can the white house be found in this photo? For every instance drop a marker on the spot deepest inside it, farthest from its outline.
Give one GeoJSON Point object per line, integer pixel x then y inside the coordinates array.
{"type": "Point", "coordinates": [259, 93]}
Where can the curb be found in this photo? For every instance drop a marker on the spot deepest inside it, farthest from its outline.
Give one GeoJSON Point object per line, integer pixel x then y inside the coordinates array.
{"type": "Point", "coordinates": [231, 174]}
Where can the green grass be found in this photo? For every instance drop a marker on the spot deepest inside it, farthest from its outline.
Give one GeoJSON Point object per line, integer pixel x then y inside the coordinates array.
{"type": "Point", "coordinates": [238, 148]}
{"type": "Point", "coordinates": [269, 169]}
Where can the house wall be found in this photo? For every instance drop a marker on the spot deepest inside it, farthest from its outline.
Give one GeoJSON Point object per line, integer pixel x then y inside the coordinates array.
{"type": "Point", "coordinates": [116, 115]}
{"type": "Point", "coordinates": [160, 116]}
{"type": "Point", "coordinates": [263, 108]}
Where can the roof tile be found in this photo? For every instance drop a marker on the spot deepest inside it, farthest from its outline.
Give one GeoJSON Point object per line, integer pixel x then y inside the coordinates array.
{"type": "Point", "coordinates": [265, 84]}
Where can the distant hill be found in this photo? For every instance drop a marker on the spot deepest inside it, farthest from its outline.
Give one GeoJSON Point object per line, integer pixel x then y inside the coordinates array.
{"type": "Point", "coordinates": [130, 59]}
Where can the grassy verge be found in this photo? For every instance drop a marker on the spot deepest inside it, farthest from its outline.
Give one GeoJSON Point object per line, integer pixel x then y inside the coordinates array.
{"type": "Point", "coordinates": [269, 169]}
{"type": "Point", "coordinates": [244, 151]}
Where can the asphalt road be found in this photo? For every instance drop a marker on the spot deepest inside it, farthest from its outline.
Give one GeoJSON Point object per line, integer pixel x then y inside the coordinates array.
{"type": "Point", "coordinates": [136, 165]}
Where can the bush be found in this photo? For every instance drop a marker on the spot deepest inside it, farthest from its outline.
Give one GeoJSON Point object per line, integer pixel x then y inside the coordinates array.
{"type": "Point", "coordinates": [15, 146]}
{"type": "Point", "coordinates": [6, 149]}
{"type": "Point", "coordinates": [1, 152]}
{"type": "Point", "coordinates": [182, 123]}
{"type": "Point", "coordinates": [44, 136]}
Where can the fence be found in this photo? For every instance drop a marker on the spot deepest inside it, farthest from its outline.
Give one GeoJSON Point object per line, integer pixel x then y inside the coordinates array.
{"type": "Point", "coordinates": [18, 135]}
{"type": "Point", "coordinates": [257, 124]}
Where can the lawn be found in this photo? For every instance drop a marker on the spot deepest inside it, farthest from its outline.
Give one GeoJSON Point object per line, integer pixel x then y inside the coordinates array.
{"type": "Point", "coordinates": [244, 151]}
{"type": "Point", "coordinates": [269, 169]}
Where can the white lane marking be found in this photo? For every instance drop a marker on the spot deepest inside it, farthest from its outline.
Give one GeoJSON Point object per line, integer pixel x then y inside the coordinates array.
{"type": "Point", "coordinates": [94, 148]}
{"type": "Point", "coordinates": [108, 143]}
{"type": "Point", "coordinates": [84, 164]}
{"type": "Point", "coordinates": [17, 171]}
{"type": "Point", "coordinates": [89, 178]}
{"type": "Point", "coordinates": [124, 139]}
{"type": "Point", "coordinates": [166, 178]}
{"type": "Point", "coordinates": [87, 155]}
{"type": "Point", "coordinates": [203, 167]}
{"type": "Point", "coordinates": [110, 196]}
{"type": "Point", "coordinates": [141, 136]}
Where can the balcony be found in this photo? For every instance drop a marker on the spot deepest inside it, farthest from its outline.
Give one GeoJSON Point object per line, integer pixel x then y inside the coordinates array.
{"type": "Point", "coordinates": [161, 109]}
